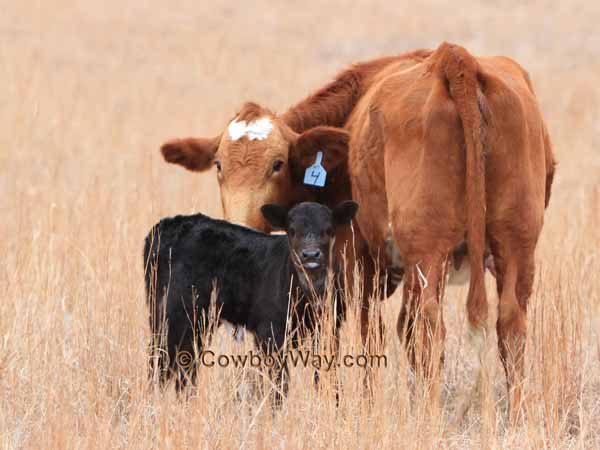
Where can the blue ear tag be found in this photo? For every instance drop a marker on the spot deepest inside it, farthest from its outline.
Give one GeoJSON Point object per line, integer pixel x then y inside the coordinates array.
{"type": "Point", "coordinates": [315, 175]}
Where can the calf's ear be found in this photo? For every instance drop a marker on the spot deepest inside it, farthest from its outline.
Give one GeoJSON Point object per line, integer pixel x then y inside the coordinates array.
{"type": "Point", "coordinates": [275, 215]}
{"type": "Point", "coordinates": [344, 213]}
{"type": "Point", "coordinates": [333, 142]}
{"type": "Point", "coordinates": [195, 154]}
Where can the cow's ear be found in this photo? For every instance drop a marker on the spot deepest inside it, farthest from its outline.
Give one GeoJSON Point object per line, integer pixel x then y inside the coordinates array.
{"type": "Point", "coordinates": [344, 213]}
{"type": "Point", "coordinates": [333, 142]}
{"type": "Point", "coordinates": [195, 154]}
{"type": "Point", "coordinates": [276, 215]}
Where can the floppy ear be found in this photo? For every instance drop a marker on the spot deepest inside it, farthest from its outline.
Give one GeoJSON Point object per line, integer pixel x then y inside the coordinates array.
{"type": "Point", "coordinates": [333, 142]}
{"type": "Point", "coordinates": [344, 213]}
{"type": "Point", "coordinates": [195, 154]}
{"type": "Point", "coordinates": [276, 215]}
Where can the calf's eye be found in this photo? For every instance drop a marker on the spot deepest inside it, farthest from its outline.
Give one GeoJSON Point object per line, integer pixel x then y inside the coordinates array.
{"type": "Point", "coordinates": [218, 165]}
{"type": "Point", "coordinates": [277, 165]}
{"type": "Point", "coordinates": [291, 232]}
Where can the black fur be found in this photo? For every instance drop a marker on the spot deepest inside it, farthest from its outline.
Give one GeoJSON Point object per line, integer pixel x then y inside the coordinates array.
{"type": "Point", "coordinates": [186, 256]}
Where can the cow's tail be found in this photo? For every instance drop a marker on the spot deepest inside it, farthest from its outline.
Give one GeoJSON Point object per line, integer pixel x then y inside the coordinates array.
{"type": "Point", "coordinates": [461, 72]}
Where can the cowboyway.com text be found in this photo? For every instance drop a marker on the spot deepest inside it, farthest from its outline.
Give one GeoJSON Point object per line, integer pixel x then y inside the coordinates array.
{"type": "Point", "coordinates": [298, 358]}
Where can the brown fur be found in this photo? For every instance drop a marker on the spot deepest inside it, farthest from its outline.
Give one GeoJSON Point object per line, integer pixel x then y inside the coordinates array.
{"type": "Point", "coordinates": [251, 111]}
{"type": "Point", "coordinates": [465, 149]}
{"type": "Point", "coordinates": [192, 153]}
{"type": "Point", "coordinates": [247, 179]}
{"type": "Point", "coordinates": [333, 103]}
{"type": "Point", "coordinates": [442, 143]}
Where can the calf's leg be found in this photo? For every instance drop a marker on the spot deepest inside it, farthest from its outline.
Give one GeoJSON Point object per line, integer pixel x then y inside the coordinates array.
{"type": "Point", "coordinates": [182, 345]}
{"type": "Point", "coordinates": [270, 339]}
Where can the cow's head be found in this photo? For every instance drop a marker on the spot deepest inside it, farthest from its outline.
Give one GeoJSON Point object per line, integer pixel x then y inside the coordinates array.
{"type": "Point", "coordinates": [258, 160]}
{"type": "Point", "coordinates": [311, 229]}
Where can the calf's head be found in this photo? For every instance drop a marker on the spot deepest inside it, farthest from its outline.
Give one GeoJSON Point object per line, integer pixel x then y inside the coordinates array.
{"type": "Point", "coordinates": [311, 231]}
{"type": "Point", "coordinates": [258, 160]}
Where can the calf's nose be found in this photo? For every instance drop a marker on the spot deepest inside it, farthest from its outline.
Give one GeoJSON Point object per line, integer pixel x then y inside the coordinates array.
{"type": "Point", "coordinates": [311, 254]}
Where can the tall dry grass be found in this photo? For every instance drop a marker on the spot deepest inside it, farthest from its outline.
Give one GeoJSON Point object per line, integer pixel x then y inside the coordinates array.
{"type": "Point", "coordinates": [88, 93]}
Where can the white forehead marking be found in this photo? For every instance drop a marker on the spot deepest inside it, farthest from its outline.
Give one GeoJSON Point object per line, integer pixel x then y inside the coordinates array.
{"type": "Point", "coordinates": [259, 129]}
{"type": "Point", "coordinates": [237, 130]}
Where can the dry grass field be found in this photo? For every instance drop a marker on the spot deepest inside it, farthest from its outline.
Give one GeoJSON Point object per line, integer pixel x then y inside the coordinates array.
{"type": "Point", "coordinates": [89, 91]}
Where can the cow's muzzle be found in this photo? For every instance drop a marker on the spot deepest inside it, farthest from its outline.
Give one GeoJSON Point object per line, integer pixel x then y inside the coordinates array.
{"type": "Point", "coordinates": [311, 259]}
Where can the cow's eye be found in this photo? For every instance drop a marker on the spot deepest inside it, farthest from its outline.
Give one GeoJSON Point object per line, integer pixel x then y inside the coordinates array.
{"type": "Point", "coordinates": [277, 165]}
{"type": "Point", "coordinates": [218, 165]}
{"type": "Point", "coordinates": [329, 232]}
{"type": "Point", "coordinates": [291, 232]}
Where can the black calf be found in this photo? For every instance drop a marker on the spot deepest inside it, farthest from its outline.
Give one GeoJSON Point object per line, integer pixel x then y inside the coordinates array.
{"type": "Point", "coordinates": [186, 257]}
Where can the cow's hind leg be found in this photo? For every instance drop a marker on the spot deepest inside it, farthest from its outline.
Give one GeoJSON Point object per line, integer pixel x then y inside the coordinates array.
{"type": "Point", "coordinates": [515, 269]}
{"type": "Point", "coordinates": [420, 323]}
{"type": "Point", "coordinates": [477, 314]}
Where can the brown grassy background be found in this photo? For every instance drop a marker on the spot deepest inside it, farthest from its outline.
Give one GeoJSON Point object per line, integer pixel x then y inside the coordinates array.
{"type": "Point", "coordinates": [88, 91]}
